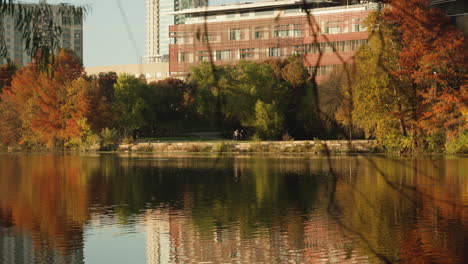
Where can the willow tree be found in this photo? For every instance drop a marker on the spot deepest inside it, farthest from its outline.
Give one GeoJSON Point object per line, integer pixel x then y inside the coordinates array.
{"type": "Point", "coordinates": [39, 30]}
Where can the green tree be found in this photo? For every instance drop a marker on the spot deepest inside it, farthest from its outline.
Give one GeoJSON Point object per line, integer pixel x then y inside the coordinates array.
{"type": "Point", "coordinates": [381, 103]}
{"type": "Point", "coordinates": [231, 92]}
{"type": "Point", "coordinates": [269, 122]}
{"type": "Point", "coordinates": [167, 106]}
{"type": "Point", "coordinates": [129, 103]}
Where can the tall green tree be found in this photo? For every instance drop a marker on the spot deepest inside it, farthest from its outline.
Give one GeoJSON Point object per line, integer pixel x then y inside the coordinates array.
{"type": "Point", "coordinates": [129, 103]}
{"type": "Point", "coordinates": [236, 89]}
{"type": "Point", "coordinates": [269, 122]}
{"type": "Point", "coordinates": [382, 105]}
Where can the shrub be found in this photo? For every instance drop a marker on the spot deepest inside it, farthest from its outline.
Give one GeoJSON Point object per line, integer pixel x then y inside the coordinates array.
{"type": "Point", "coordinates": [458, 144]}
{"type": "Point", "coordinates": [287, 137]}
{"type": "Point", "coordinates": [128, 140]}
{"type": "Point", "coordinates": [224, 147]}
{"type": "Point", "coordinates": [145, 148]}
{"type": "Point", "coordinates": [207, 148]}
{"type": "Point", "coordinates": [109, 139]}
{"type": "Point", "coordinates": [319, 146]}
{"type": "Point", "coordinates": [435, 143]}
{"type": "Point", "coordinates": [259, 147]}
{"type": "Point", "coordinates": [394, 143]}
{"type": "Point", "coordinates": [269, 121]}
{"type": "Point", "coordinates": [194, 148]}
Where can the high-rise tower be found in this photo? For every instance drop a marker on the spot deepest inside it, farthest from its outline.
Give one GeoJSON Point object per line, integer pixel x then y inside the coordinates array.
{"type": "Point", "coordinates": [158, 21]}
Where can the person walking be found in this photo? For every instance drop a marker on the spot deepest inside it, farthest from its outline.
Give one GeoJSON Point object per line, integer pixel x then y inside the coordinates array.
{"type": "Point", "coordinates": [235, 135]}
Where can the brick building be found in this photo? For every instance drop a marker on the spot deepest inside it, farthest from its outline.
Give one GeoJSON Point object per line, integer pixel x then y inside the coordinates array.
{"type": "Point", "coordinates": [324, 34]}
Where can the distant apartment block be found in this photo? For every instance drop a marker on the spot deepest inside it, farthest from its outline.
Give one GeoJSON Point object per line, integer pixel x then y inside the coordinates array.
{"type": "Point", "coordinates": [158, 20]}
{"type": "Point", "coordinates": [457, 10]}
{"type": "Point", "coordinates": [151, 71]}
{"type": "Point", "coordinates": [326, 39]}
{"type": "Point", "coordinates": [71, 38]}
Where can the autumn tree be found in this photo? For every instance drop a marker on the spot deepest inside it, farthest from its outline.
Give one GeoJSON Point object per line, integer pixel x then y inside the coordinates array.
{"type": "Point", "coordinates": [50, 108]}
{"type": "Point", "coordinates": [17, 106]}
{"type": "Point", "coordinates": [408, 89]}
{"type": "Point", "coordinates": [7, 71]}
{"type": "Point", "coordinates": [433, 60]}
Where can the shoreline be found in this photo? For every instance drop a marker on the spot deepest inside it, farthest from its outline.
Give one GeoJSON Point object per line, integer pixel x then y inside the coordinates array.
{"type": "Point", "coordinates": [305, 146]}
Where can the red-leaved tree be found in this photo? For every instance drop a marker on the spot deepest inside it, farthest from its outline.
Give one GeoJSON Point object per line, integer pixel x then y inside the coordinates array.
{"type": "Point", "coordinates": [433, 59]}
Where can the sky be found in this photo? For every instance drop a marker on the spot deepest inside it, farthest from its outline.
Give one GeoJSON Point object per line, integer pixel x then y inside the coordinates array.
{"type": "Point", "coordinates": [106, 39]}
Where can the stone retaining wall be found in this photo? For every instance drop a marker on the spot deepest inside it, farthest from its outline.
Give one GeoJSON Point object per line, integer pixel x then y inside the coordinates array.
{"type": "Point", "coordinates": [337, 146]}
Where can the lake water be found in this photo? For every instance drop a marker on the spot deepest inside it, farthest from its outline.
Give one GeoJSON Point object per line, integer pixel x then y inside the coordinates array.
{"type": "Point", "coordinates": [128, 208]}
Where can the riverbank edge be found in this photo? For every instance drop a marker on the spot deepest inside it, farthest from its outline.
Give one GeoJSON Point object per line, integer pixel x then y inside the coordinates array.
{"type": "Point", "coordinates": [309, 146]}
{"type": "Point", "coordinates": [306, 146]}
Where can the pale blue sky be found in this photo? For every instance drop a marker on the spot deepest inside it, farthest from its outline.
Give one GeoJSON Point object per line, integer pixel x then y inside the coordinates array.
{"type": "Point", "coordinates": [106, 40]}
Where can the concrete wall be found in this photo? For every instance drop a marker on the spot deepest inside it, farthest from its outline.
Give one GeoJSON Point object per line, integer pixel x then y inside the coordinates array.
{"type": "Point", "coordinates": [152, 71]}
{"type": "Point", "coordinates": [335, 146]}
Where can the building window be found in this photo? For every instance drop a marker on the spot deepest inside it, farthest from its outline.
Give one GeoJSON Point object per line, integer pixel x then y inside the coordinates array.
{"type": "Point", "coordinates": [258, 33]}
{"type": "Point", "coordinates": [281, 33]}
{"type": "Point", "coordinates": [245, 14]}
{"type": "Point", "coordinates": [297, 32]}
{"type": "Point", "coordinates": [292, 10]}
{"type": "Point", "coordinates": [358, 28]}
{"type": "Point", "coordinates": [223, 55]}
{"type": "Point", "coordinates": [323, 69]}
{"type": "Point", "coordinates": [235, 34]}
{"type": "Point", "coordinates": [207, 38]}
{"type": "Point", "coordinates": [66, 20]}
{"type": "Point", "coordinates": [264, 13]}
{"type": "Point", "coordinates": [78, 20]}
{"type": "Point", "coordinates": [335, 46]}
{"type": "Point", "coordinates": [246, 53]}
{"type": "Point", "coordinates": [298, 50]}
{"type": "Point", "coordinates": [203, 56]}
{"type": "Point", "coordinates": [181, 56]}
{"type": "Point", "coordinates": [332, 30]}
{"type": "Point", "coordinates": [274, 52]}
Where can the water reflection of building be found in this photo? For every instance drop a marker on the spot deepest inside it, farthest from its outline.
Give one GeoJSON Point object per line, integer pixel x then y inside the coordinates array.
{"type": "Point", "coordinates": [176, 237]}
{"type": "Point", "coordinates": [15, 249]}
{"type": "Point", "coordinates": [158, 237]}
{"type": "Point", "coordinates": [20, 248]}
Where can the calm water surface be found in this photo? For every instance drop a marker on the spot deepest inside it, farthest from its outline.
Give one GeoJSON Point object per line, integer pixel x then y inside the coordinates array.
{"type": "Point", "coordinates": [112, 208]}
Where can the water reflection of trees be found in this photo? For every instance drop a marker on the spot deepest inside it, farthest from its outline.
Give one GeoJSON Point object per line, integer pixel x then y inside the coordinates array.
{"type": "Point", "coordinates": [248, 209]}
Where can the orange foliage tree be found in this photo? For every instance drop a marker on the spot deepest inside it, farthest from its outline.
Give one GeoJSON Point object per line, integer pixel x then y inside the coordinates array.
{"type": "Point", "coordinates": [51, 107]}
{"type": "Point", "coordinates": [433, 58]}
